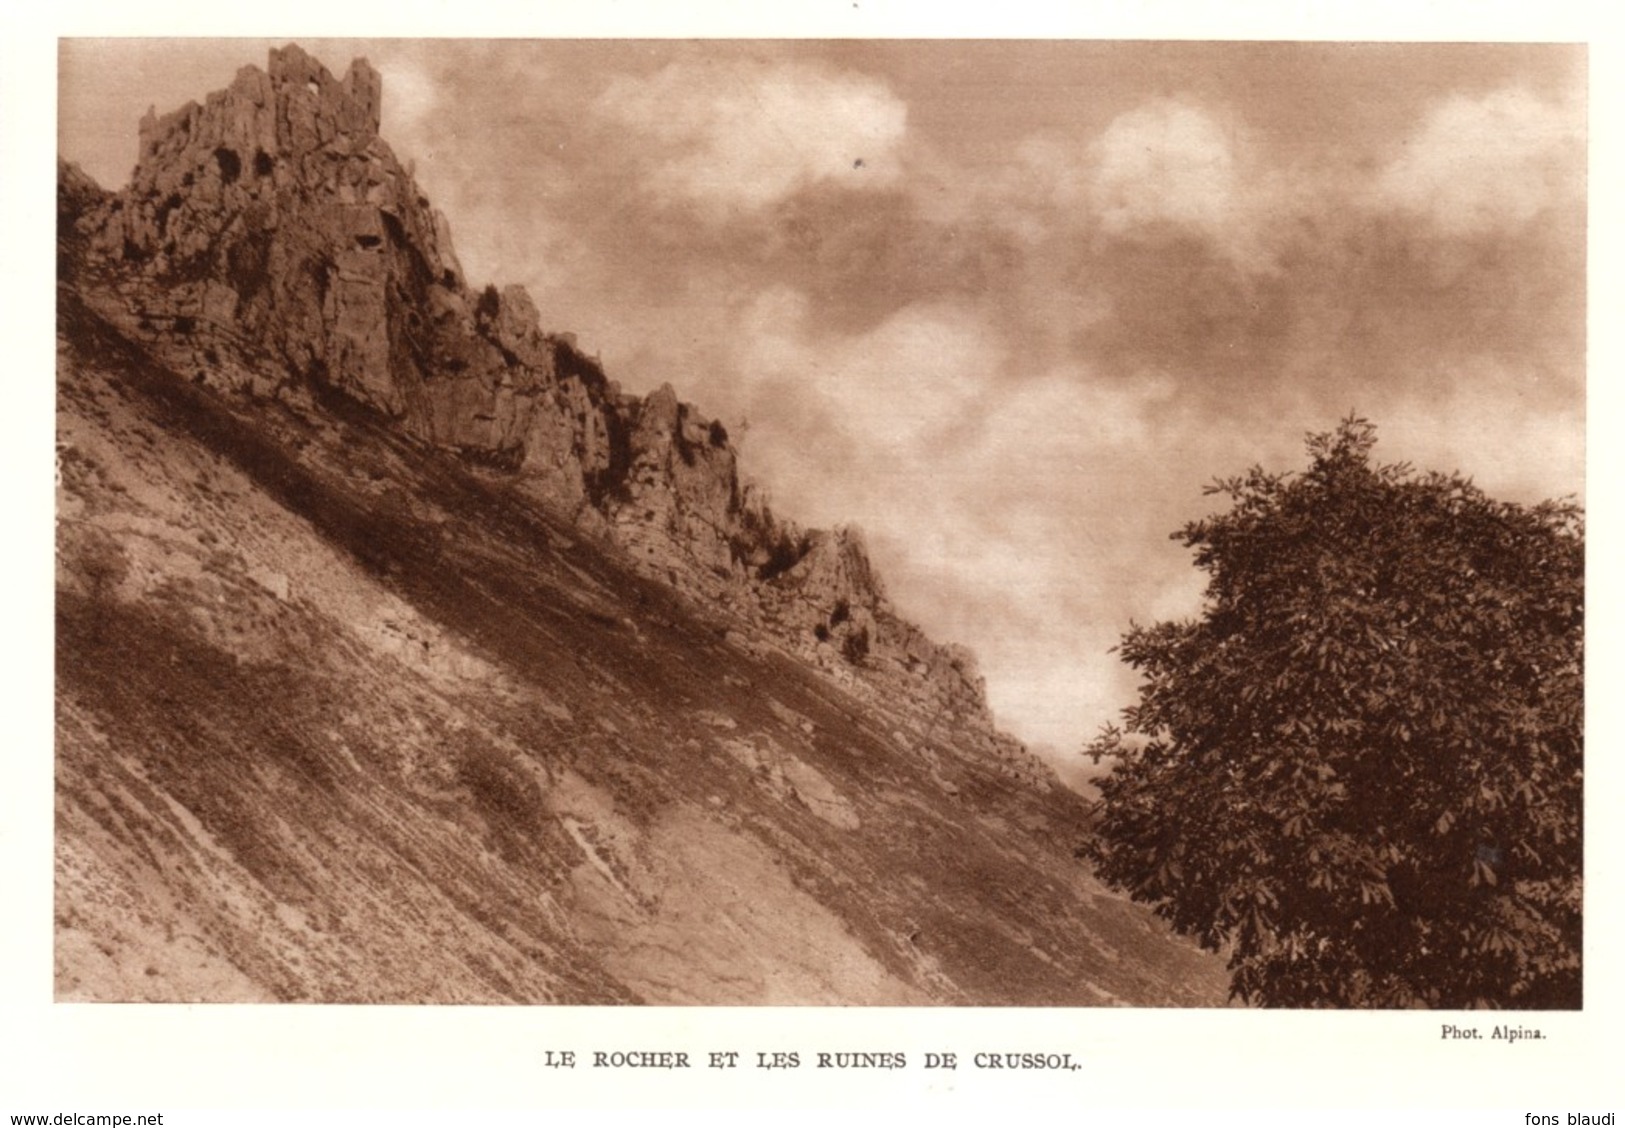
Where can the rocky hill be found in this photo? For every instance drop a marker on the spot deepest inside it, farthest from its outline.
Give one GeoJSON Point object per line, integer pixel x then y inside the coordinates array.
{"type": "Point", "coordinates": [402, 656]}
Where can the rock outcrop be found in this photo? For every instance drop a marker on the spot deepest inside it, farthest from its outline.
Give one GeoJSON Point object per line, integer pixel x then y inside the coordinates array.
{"type": "Point", "coordinates": [271, 244]}
{"type": "Point", "coordinates": [400, 658]}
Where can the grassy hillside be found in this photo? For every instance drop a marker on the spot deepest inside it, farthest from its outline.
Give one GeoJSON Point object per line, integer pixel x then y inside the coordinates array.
{"type": "Point", "coordinates": [341, 718]}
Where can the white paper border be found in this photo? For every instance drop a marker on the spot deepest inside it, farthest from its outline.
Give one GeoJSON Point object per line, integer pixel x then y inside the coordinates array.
{"type": "Point", "coordinates": [134, 1057]}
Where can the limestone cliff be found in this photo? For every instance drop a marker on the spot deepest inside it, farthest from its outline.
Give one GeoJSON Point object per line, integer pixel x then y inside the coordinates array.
{"type": "Point", "coordinates": [271, 244]}
{"type": "Point", "coordinates": [401, 658]}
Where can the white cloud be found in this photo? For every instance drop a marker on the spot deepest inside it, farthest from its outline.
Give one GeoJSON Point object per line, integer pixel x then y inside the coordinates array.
{"type": "Point", "coordinates": [981, 490]}
{"type": "Point", "coordinates": [1067, 417]}
{"type": "Point", "coordinates": [1165, 162]}
{"type": "Point", "coordinates": [1493, 426]}
{"type": "Point", "coordinates": [899, 386]}
{"type": "Point", "coordinates": [411, 98]}
{"type": "Point", "coordinates": [1039, 190]}
{"type": "Point", "coordinates": [1478, 166]}
{"type": "Point", "coordinates": [745, 134]}
{"type": "Point", "coordinates": [1170, 168]}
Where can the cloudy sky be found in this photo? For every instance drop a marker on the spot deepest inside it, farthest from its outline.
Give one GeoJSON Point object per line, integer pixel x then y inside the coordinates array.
{"type": "Point", "coordinates": [1008, 306]}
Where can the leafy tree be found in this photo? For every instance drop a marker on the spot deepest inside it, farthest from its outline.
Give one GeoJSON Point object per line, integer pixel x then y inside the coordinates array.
{"type": "Point", "coordinates": [1358, 771]}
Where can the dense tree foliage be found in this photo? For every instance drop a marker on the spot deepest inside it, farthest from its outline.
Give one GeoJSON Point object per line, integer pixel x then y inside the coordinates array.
{"type": "Point", "coordinates": [1358, 771]}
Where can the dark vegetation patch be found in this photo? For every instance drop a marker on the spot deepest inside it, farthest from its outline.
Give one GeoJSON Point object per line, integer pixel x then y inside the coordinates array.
{"type": "Point", "coordinates": [197, 720]}
{"type": "Point", "coordinates": [198, 266]}
{"type": "Point", "coordinates": [784, 551]}
{"type": "Point", "coordinates": [160, 217]}
{"type": "Point", "coordinates": [248, 262]}
{"type": "Point", "coordinates": [488, 305]}
{"type": "Point", "coordinates": [759, 535]}
{"type": "Point", "coordinates": [229, 163]}
{"type": "Point", "coordinates": [504, 459]}
{"type": "Point", "coordinates": [610, 480]}
{"type": "Point", "coordinates": [685, 449]}
{"type": "Point", "coordinates": [320, 272]}
{"type": "Point", "coordinates": [75, 195]}
{"type": "Point", "coordinates": [504, 792]}
{"type": "Point", "coordinates": [571, 363]}
{"type": "Point", "coordinates": [855, 646]}
{"type": "Point", "coordinates": [397, 234]}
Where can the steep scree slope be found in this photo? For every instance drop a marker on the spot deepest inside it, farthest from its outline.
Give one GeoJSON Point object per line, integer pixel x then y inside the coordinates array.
{"type": "Point", "coordinates": [402, 657]}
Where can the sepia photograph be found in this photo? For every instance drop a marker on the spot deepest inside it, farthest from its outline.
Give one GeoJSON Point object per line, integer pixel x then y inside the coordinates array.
{"type": "Point", "coordinates": [760, 522]}
{"type": "Point", "coordinates": [858, 559]}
